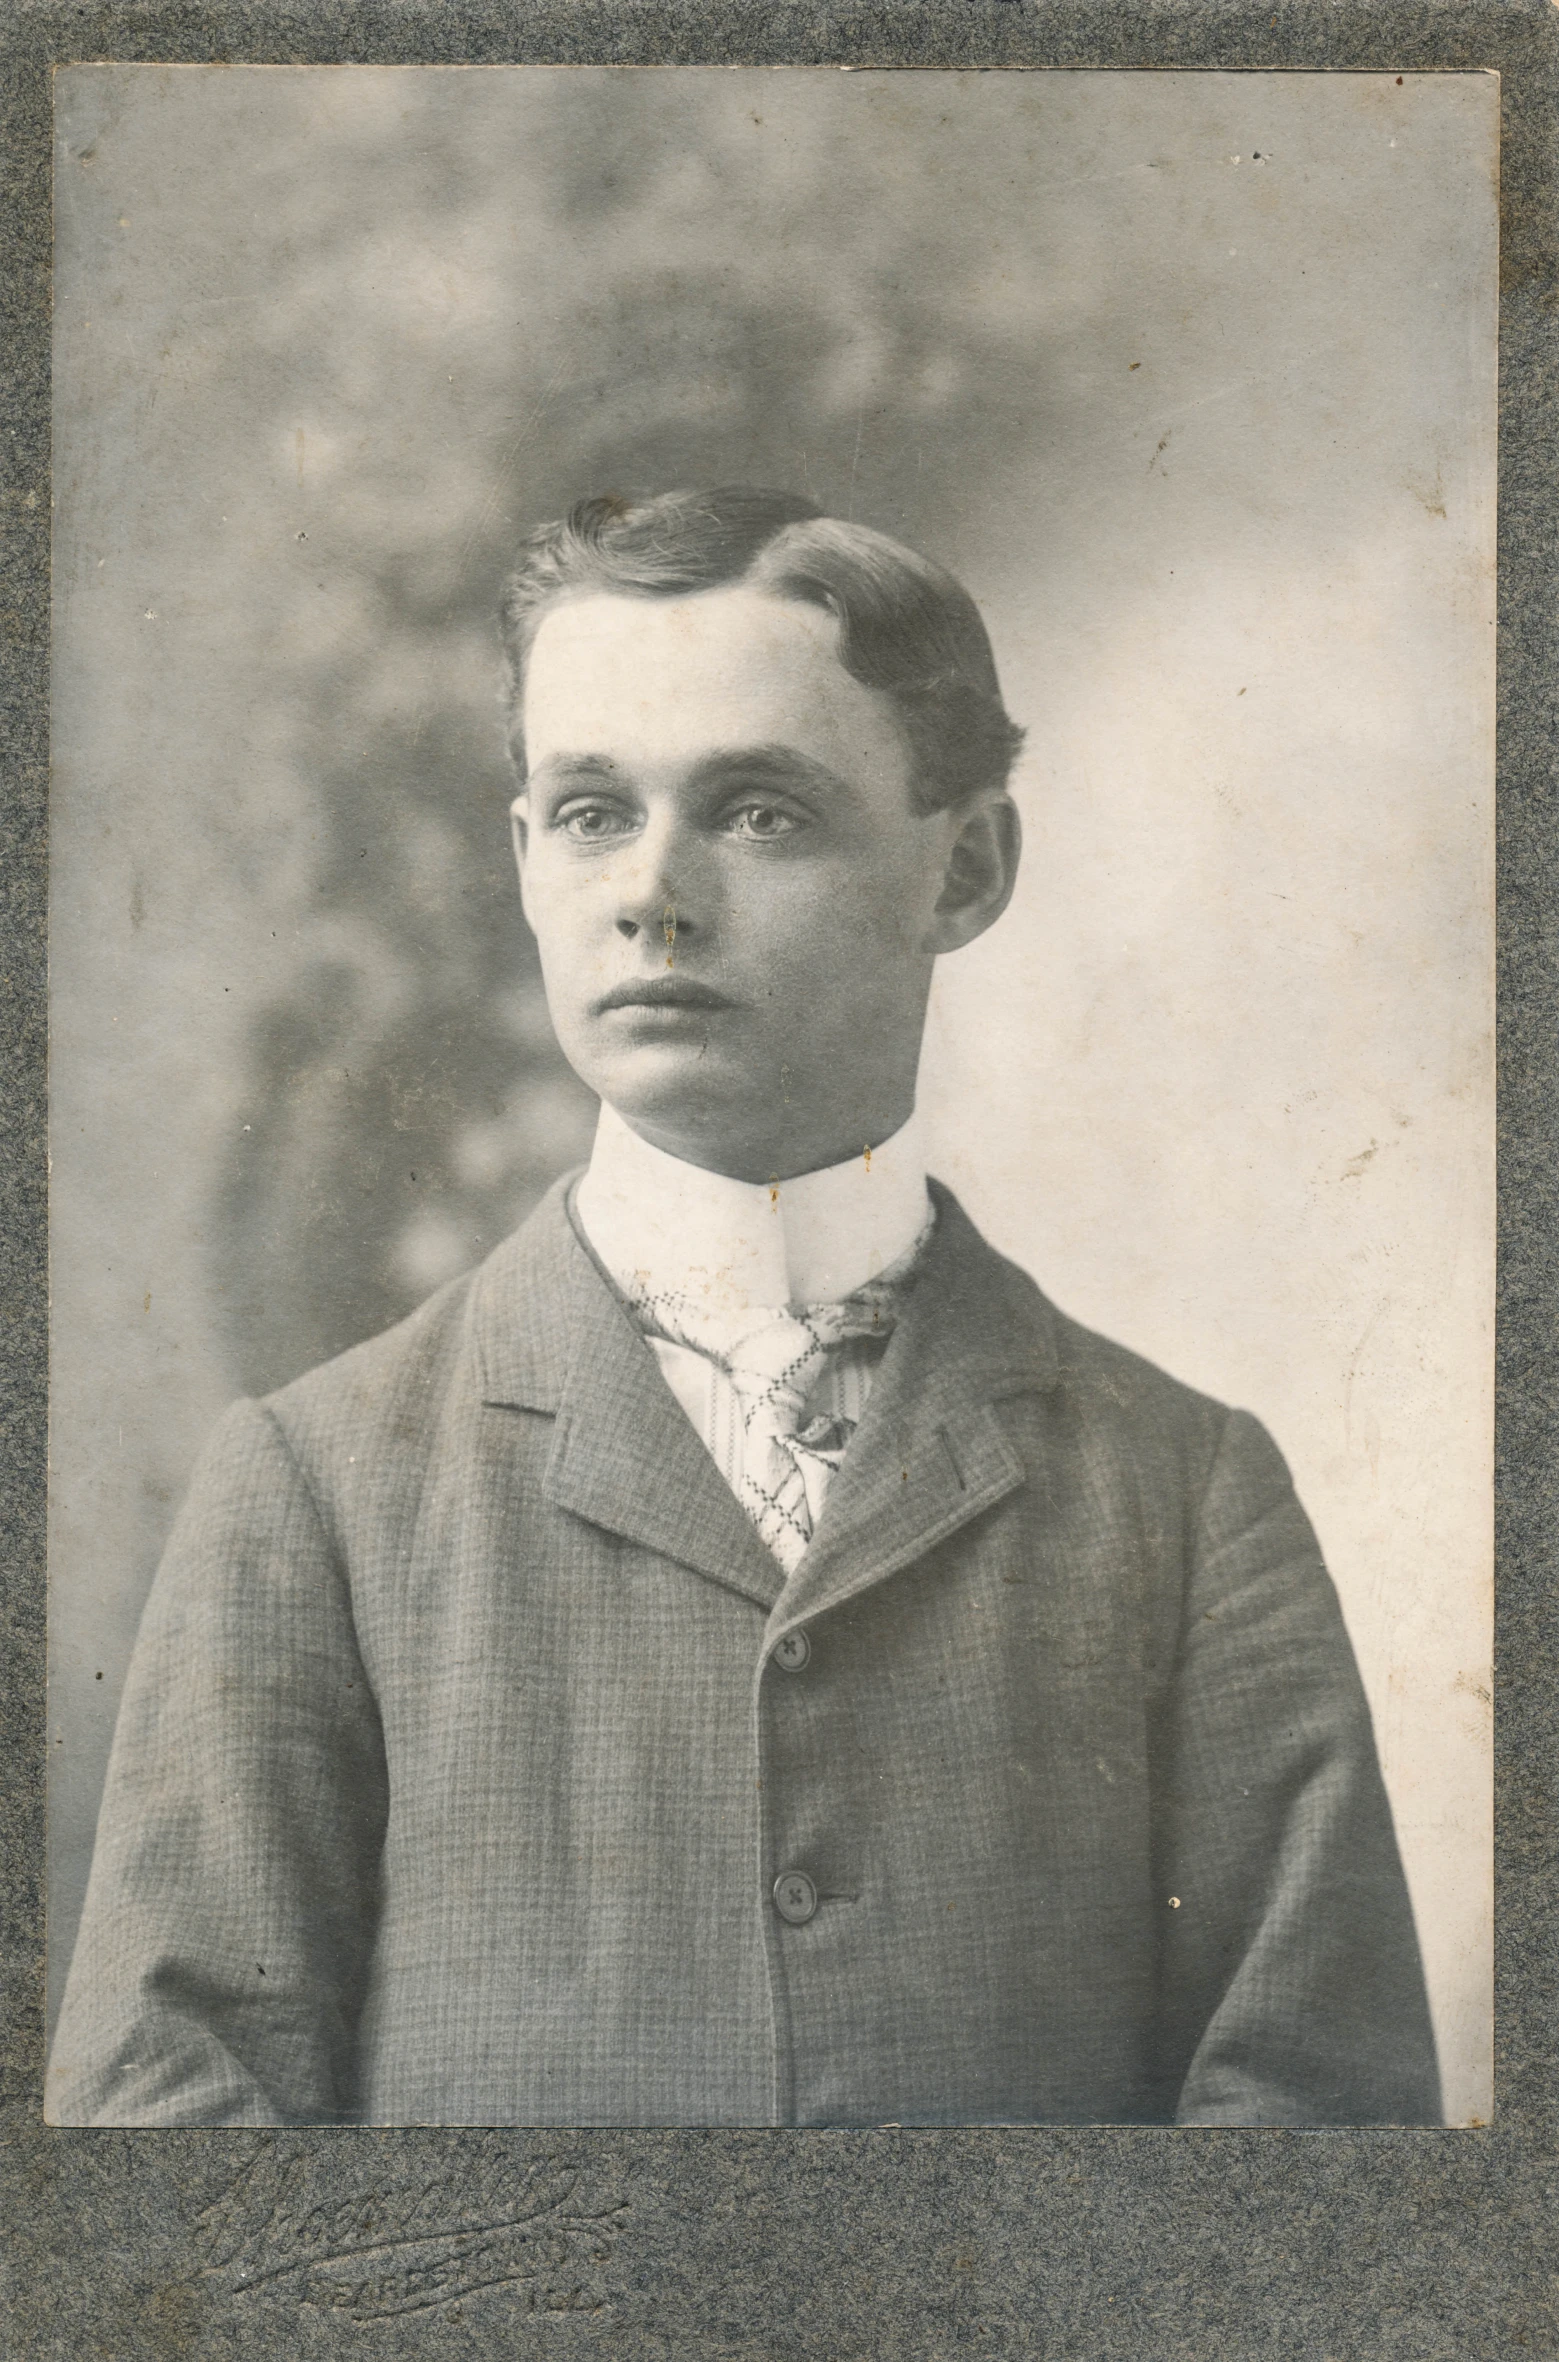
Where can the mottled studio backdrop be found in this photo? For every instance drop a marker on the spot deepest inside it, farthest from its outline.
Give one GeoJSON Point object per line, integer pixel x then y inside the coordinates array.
{"type": "Point", "coordinates": [1190, 377]}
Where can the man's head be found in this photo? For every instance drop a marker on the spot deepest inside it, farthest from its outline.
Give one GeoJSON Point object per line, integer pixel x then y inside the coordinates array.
{"type": "Point", "coordinates": [764, 758]}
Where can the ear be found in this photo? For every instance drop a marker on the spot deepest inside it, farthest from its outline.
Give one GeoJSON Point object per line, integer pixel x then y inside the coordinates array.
{"type": "Point", "coordinates": [519, 837]}
{"type": "Point", "coordinates": [982, 869]}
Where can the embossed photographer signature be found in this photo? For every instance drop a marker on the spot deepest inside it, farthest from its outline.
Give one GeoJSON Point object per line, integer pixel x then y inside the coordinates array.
{"type": "Point", "coordinates": [402, 2246]}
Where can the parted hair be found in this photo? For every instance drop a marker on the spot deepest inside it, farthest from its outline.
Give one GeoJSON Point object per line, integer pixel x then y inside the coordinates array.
{"type": "Point", "coordinates": [906, 626]}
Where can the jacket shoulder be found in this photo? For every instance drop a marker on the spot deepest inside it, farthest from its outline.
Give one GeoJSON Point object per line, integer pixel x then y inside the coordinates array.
{"type": "Point", "coordinates": [1113, 1374]}
{"type": "Point", "coordinates": [519, 1291]}
{"type": "Point", "coordinates": [367, 1383]}
{"type": "Point", "coordinates": [1218, 1462]}
{"type": "Point", "coordinates": [1106, 1395]}
{"type": "Point", "coordinates": [1110, 1413]}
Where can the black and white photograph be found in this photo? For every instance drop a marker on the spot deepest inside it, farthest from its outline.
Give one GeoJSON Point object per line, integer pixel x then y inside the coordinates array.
{"type": "Point", "coordinates": [772, 1195]}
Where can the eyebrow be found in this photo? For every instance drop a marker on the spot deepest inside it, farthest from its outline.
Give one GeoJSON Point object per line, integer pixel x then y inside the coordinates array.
{"type": "Point", "coordinates": [772, 763]}
{"type": "Point", "coordinates": [565, 767]}
{"type": "Point", "coordinates": [782, 766]}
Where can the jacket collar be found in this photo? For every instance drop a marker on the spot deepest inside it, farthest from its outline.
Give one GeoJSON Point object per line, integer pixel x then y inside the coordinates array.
{"type": "Point", "coordinates": [549, 1333]}
{"type": "Point", "coordinates": [931, 1453]}
{"type": "Point", "coordinates": [526, 1300]}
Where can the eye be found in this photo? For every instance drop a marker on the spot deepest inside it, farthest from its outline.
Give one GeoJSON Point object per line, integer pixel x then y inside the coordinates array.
{"type": "Point", "coordinates": [760, 823]}
{"type": "Point", "coordinates": [592, 824]}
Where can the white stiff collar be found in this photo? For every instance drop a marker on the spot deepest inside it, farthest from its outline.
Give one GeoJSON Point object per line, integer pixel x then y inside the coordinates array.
{"type": "Point", "coordinates": [657, 1222]}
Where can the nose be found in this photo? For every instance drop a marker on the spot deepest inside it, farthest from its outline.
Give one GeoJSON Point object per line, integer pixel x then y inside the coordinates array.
{"type": "Point", "coordinates": [659, 892]}
{"type": "Point", "coordinates": [649, 908]}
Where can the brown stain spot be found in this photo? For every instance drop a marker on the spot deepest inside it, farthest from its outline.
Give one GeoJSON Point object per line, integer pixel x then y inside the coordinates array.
{"type": "Point", "coordinates": [1432, 500]}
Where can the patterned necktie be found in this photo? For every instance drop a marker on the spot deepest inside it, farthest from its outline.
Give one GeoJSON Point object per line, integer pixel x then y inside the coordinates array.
{"type": "Point", "coordinates": [774, 1360]}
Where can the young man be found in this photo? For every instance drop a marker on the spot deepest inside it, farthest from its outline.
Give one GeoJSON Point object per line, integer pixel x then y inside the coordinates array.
{"type": "Point", "coordinates": [741, 1656]}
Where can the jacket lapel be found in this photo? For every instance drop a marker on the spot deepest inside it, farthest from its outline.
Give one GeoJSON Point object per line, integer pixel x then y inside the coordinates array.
{"type": "Point", "coordinates": [931, 1452]}
{"type": "Point", "coordinates": [550, 1334]}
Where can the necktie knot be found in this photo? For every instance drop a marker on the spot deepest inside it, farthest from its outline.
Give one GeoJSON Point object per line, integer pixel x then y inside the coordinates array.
{"type": "Point", "coordinates": [783, 1353]}
{"type": "Point", "coordinates": [775, 1360]}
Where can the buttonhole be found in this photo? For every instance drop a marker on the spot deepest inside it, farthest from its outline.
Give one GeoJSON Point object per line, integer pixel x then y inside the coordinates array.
{"type": "Point", "coordinates": [947, 1446]}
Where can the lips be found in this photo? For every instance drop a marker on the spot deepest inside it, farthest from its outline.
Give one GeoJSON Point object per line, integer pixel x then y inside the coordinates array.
{"type": "Point", "coordinates": [662, 992]}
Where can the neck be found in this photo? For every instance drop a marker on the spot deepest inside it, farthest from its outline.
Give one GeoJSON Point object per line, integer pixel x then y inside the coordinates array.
{"type": "Point", "coordinates": [803, 1238]}
{"type": "Point", "coordinates": [768, 1157]}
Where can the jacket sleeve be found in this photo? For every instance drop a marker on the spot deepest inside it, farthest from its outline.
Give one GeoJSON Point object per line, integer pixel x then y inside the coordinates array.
{"type": "Point", "coordinates": [1292, 1987]}
{"type": "Point", "coordinates": [224, 1944]}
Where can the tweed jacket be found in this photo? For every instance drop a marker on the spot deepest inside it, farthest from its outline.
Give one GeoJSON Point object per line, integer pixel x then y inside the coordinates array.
{"type": "Point", "coordinates": [456, 1769]}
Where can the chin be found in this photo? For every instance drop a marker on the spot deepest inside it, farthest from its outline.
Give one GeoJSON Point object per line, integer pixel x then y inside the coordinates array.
{"type": "Point", "coordinates": [680, 1090]}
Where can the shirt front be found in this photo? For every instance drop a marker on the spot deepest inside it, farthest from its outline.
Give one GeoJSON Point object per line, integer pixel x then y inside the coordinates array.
{"type": "Point", "coordinates": [725, 1249]}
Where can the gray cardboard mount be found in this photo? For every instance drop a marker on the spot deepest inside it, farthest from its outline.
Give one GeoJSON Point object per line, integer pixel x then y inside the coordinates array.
{"type": "Point", "coordinates": [1083, 2244]}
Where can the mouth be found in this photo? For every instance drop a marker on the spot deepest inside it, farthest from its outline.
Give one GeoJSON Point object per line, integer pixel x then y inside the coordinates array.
{"type": "Point", "coordinates": [662, 992]}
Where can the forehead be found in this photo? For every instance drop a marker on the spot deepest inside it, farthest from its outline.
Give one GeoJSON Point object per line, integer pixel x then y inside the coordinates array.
{"type": "Point", "coordinates": [667, 680]}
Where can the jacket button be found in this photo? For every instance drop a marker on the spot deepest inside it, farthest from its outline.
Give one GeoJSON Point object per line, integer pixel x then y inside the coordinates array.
{"type": "Point", "coordinates": [791, 1653]}
{"type": "Point", "coordinates": [795, 1897]}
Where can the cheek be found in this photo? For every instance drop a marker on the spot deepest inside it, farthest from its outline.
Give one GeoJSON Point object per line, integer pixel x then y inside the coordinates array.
{"type": "Point", "coordinates": [834, 922]}
{"type": "Point", "coordinates": [558, 897]}
{"type": "Point", "coordinates": [885, 894]}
